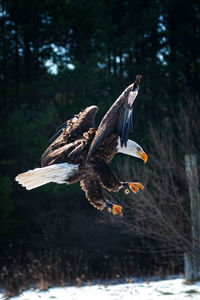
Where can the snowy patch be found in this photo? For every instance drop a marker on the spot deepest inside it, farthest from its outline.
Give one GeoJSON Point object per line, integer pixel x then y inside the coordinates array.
{"type": "Point", "coordinates": [173, 289]}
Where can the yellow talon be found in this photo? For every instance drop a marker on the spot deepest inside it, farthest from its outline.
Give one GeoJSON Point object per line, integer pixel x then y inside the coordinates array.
{"type": "Point", "coordinates": [135, 187]}
{"type": "Point", "coordinates": [117, 210]}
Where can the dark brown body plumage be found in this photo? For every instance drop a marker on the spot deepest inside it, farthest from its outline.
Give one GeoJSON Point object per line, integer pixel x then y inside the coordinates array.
{"type": "Point", "coordinates": [96, 173]}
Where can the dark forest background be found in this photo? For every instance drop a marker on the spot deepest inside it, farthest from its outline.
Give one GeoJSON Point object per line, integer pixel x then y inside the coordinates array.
{"type": "Point", "coordinates": [58, 57]}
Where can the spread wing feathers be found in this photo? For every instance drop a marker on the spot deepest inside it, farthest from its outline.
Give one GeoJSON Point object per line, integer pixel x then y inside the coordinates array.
{"type": "Point", "coordinates": [119, 117]}
{"type": "Point", "coordinates": [125, 125]}
{"type": "Point", "coordinates": [74, 154]}
{"type": "Point", "coordinates": [70, 135]}
{"type": "Point", "coordinates": [79, 124]}
{"type": "Point", "coordinates": [93, 192]}
{"type": "Point", "coordinates": [62, 128]}
{"type": "Point", "coordinates": [53, 153]}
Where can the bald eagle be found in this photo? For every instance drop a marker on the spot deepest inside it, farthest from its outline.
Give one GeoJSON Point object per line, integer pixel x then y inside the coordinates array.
{"type": "Point", "coordinates": [87, 152]}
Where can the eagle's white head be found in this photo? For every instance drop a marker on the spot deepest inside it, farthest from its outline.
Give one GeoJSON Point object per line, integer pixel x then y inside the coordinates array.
{"type": "Point", "coordinates": [132, 149]}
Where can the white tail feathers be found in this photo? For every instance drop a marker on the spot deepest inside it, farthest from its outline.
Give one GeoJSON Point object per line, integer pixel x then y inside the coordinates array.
{"type": "Point", "coordinates": [56, 173]}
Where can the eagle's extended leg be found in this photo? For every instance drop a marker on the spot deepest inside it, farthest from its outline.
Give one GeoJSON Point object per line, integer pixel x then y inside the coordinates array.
{"type": "Point", "coordinates": [135, 187]}
{"type": "Point", "coordinates": [114, 208]}
{"type": "Point", "coordinates": [94, 194]}
{"type": "Point", "coordinates": [107, 177]}
{"type": "Point", "coordinates": [109, 180]}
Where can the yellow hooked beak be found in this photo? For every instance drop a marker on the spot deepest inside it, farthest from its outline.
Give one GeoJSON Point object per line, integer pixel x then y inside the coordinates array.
{"type": "Point", "coordinates": [143, 156]}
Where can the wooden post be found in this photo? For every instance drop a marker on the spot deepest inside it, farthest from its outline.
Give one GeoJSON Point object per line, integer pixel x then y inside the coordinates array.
{"type": "Point", "coordinates": [188, 267]}
{"type": "Point", "coordinates": [192, 264]}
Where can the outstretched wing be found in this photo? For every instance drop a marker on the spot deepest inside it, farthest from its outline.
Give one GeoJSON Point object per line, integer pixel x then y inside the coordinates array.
{"type": "Point", "coordinates": [63, 127]}
{"type": "Point", "coordinates": [70, 135]}
{"type": "Point", "coordinates": [53, 152]}
{"type": "Point", "coordinates": [93, 192]}
{"type": "Point", "coordinates": [119, 117]}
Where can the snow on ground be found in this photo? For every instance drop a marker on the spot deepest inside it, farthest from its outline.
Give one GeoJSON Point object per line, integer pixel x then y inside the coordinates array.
{"type": "Point", "coordinates": [173, 289]}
